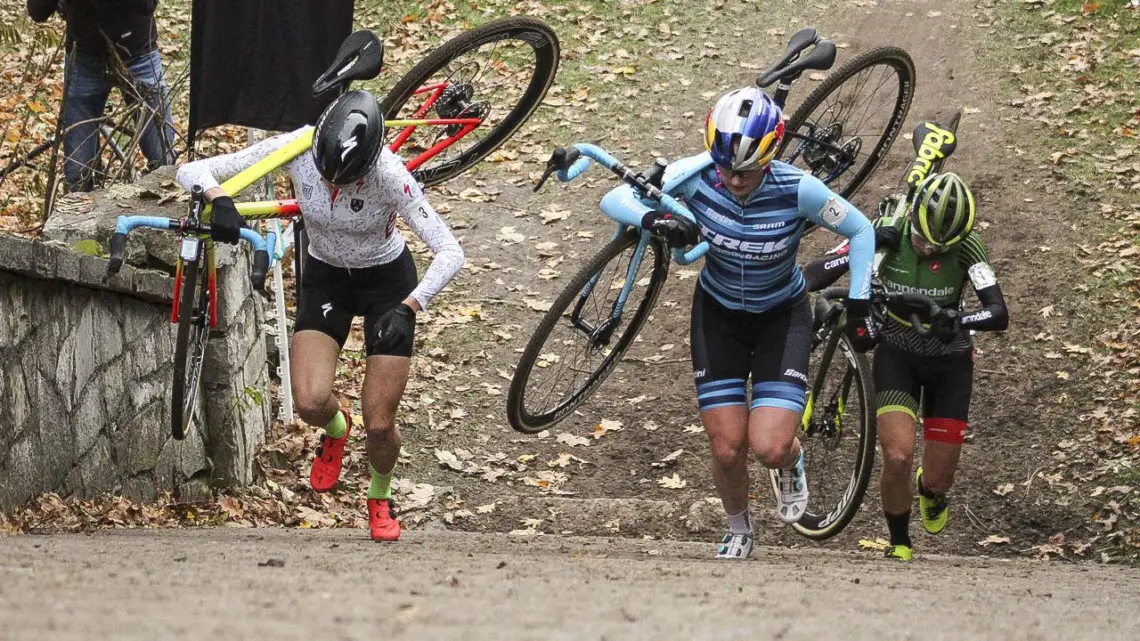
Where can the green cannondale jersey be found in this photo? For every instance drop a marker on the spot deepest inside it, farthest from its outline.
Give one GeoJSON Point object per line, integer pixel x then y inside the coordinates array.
{"type": "Point", "coordinates": [942, 277]}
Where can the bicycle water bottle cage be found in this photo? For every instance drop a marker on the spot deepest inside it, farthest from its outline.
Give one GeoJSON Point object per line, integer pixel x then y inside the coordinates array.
{"type": "Point", "coordinates": [788, 68]}
{"type": "Point", "coordinates": [359, 58]}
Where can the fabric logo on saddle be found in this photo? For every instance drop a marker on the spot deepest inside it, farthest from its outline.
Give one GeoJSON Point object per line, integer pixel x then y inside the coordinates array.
{"type": "Point", "coordinates": [937, 143]}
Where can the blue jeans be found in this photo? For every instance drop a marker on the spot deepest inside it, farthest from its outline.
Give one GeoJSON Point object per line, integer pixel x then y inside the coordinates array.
{"type": "Point", "coordinates": [88, 89]}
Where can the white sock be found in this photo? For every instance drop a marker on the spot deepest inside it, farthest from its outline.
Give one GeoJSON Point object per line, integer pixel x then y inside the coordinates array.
{"type": "Point", "coordinates": [740, 523]}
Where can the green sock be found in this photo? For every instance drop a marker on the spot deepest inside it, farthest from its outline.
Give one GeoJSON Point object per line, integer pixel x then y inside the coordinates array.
{"type": "Point", "coordinates": [336, 427]}
{"type": "Point", "coordinates": [381, 486]}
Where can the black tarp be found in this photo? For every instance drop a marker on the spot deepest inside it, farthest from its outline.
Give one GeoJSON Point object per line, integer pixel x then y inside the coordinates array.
{"type": "Point", "coordinates": [253, 62]}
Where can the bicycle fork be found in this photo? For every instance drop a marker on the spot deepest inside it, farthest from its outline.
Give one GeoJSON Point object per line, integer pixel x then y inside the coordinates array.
{"type": "Point", "coordinates": [601, 333]}
{"type": "Point", "coordinates": [829, 425]}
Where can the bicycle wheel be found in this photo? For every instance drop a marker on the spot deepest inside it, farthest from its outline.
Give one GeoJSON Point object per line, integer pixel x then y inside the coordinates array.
{"type": "Point", "coordinates": [189, 346]}
{"type": "Point", "coordinates": [839, 442]}
{"type": "Point", "coordinates": [575, 336]}
{"type": "Point", "coordinates": [839, 135]}
{"type": "Point", "coordinates": [498, 72]}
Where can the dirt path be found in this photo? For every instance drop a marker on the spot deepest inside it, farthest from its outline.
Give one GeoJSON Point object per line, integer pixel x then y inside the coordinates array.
{"type": "Point", "coordinates": [216, 584]}
{"type": "Point", "coordinates": [1016, 417]}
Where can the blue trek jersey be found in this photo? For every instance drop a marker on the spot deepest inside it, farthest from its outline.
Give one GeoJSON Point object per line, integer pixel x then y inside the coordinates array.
{"type": "Point", "coordinates": [751, 263]}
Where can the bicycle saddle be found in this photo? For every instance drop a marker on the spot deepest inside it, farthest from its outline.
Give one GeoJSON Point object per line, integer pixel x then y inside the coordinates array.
{"type": "Point", "coordinates": [359, 58]}
{"type": "Point", "coordinates": [821, 57]}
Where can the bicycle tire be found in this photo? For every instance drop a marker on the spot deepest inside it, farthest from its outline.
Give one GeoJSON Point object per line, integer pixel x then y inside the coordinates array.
{"type": "Point", "coordinates": [189, 347]}
{"type": "Point", "coordinates": [533, 32]}
{"type": "Point", "coordinates": [820, 526]}
{"type": "Point", "coordinates": [896, 58]}
{"type": "Point", "coordinates": [517, 415]}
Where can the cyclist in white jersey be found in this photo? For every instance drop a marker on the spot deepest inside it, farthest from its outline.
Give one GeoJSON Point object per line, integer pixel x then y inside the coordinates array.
{"type": "Point", "coordinates": [350, 189]}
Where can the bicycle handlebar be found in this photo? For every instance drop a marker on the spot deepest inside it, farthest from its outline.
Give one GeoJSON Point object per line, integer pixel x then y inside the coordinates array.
{"type": "Point", "coordinates": [906, 298]}
{"type": "Point", "coordinates": [124, 225]}
{"type": "Point", "coordinates": [573, 162]}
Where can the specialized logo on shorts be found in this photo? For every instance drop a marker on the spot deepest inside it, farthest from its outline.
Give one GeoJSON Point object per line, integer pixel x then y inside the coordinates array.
{"type": "Point", "coordinates": [356, 204]}
{"type": "Point", "coordinates": [795, 374]}
{"type": "Point", "coordinates": [327, 307]}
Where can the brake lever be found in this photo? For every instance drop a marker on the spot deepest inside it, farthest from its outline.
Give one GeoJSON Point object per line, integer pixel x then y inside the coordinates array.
{"type": "Point", "coordinates": [560, 160]}
{"type": "Point", "coordinates": [545, 175]}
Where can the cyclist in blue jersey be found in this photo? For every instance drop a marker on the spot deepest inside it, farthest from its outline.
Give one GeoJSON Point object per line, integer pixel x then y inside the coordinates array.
{"type": "Point", "coordinates": [750, 313]}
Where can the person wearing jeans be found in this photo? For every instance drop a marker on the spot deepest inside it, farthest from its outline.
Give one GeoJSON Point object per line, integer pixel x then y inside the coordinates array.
{"type": "Point", "coordinates": [109, 44]}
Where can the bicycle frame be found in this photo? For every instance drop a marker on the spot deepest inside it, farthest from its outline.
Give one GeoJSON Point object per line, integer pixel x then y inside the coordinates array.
{"type": "Point", "coordinates": [626, 205]}
{"type": "Point", "coordinates": [289, 208]}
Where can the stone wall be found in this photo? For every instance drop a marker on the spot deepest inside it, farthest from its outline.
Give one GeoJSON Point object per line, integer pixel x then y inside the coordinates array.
{"type": "Point", "coordinates": [86, 366]}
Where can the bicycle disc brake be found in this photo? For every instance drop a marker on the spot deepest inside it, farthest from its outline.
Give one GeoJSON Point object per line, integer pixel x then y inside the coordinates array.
{"type": "Point", "coordinates": [456, 102]}
{"type": "Point", "coordinates": [822, 159]}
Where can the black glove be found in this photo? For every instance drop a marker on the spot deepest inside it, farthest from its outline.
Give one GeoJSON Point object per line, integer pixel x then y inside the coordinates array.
{"type": "Point", "coordinates": [226, 224]}
{"type": "Point", "coordinates": [946, 325]}
{"type": "Point", "coordinates": [677, 231]}
{"type": "Point", "coordinates": [396, 326]}
{"type": "Point", "coordinates": [861, 329]}
{"type": "Point", "coordinates": [887, 238]}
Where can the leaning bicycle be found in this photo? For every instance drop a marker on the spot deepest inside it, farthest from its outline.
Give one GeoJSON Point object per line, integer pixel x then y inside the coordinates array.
{"type": "Point", "coordinates": [634, 257]}
{"type": "Point", "coordinates": [602, 309]}
{"type": "Point", "coordinates": [460, 113]}
{"type": "Point", "coordinates": [838, 426]}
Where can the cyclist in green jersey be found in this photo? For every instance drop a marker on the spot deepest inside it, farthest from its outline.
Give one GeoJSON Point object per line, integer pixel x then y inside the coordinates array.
{"type": "Point", "coordinates": [934, 250]}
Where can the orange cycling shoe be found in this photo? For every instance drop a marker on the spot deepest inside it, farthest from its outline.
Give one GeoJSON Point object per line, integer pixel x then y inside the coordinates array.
{"type": "Point", "coordinates": [330, 454]}
{"type": "Point", "coordinates": [382, 520]}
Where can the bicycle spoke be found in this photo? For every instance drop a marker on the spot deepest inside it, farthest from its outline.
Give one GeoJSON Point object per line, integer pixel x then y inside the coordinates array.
{"type": "Point", "coordinates": [560, 373]}
{"type": "Point", "coordinates": [849, 122]}
{"type": "Point", "coordinates": [497, 75]}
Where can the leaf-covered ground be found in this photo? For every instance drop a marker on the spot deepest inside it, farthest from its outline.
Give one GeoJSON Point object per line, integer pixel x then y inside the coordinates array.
{"type": "Point", "coordinates": [1051, 119]}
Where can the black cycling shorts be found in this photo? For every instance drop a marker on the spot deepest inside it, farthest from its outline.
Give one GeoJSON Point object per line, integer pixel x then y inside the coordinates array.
{"type": "Point", "coordinates": [945, 384]}
{"type": "Point", "coordinates": [332, 296]}
{"type": "Point", "coordinates": [728, 345]}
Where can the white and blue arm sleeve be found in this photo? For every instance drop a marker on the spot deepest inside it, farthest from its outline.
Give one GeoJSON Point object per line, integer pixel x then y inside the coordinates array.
{"type": "Point", "coordinates": [824, 207]}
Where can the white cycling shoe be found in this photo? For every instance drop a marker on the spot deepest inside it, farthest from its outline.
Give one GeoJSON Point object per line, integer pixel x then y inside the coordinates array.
{"type": "Point", "coordinates": [793, 492]}
{"type": "Point", "coordinates": [735, 546]}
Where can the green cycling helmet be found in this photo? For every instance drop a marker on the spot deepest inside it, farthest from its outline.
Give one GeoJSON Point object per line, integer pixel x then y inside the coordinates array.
{"type": "Point", "coordinates": [942, 211]}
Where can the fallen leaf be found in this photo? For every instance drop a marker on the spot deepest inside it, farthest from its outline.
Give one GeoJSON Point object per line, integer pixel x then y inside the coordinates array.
{"type": "Point", "coordinates": [563, 460]}
{"type": "Point", "coordinates": [605, 427]}
{"type": "Point", "coordinates": [448, 459]}
{"type": "Point", "coordinates": [1002, 490]}
{"type": "Point", "coordinates": [552, 215]}
{"type": "Point", "coordinates": [877, 544]}
{"type": "Point", "coordinates": [994, 539]}
{"type": "Point", "coordinates": [674, 482]}
{"type": "Point", "coordinates": [508, 236]}
{"type": "Point", "coordinates": [572, 440]}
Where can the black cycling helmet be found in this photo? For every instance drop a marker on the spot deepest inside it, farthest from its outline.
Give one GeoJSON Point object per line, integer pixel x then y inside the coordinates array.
{"type": "Point", "coordinates": [348, 138]}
